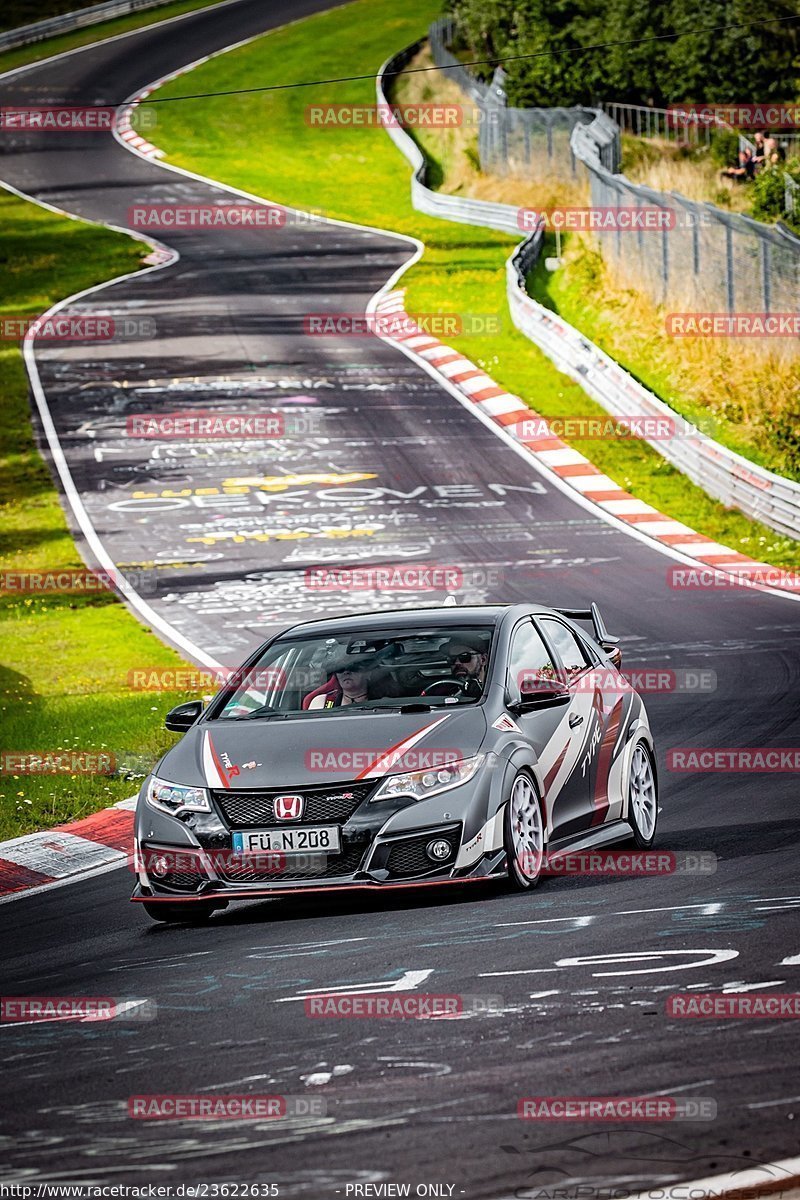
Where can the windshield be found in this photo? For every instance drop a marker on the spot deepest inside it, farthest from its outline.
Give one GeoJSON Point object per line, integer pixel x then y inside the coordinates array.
{"type": "Point", "coordinates": [373, 669]}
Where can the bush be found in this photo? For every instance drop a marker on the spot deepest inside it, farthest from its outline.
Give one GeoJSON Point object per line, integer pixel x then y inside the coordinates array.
{"type": "Point", "coordinates": [768, 191]}
{"type": "Point", "coordinates": [725, 147]}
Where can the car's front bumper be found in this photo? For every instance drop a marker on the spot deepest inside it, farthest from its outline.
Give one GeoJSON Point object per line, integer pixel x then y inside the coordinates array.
{"type": "Point", "coordinates": [383, 845]}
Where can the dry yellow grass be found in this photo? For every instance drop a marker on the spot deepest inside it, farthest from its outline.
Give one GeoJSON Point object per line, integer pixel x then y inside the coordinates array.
{"type": "Point", "coordinates": [659, 164]}
{"type": "Point", "coordinates": [453, 152]}
{"type": "Point", "coordinates": [738, 391]}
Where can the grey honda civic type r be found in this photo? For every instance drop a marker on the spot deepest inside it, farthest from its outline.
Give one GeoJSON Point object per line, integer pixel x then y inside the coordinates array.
{"type": "Point", "coordinates": [396, 749]}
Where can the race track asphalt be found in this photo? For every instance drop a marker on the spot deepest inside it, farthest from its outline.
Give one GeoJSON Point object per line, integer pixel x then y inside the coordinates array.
{"type": "Point", "coordinates": [423, 1102]}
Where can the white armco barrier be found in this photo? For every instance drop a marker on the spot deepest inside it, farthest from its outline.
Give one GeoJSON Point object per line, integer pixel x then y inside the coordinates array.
{"type": "Point", "coordinates": [723, 474]}
{"type": "Point", "coordinates": [26, 35]}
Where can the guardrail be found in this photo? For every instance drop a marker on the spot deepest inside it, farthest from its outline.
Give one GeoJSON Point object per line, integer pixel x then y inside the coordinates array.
{"type": "Point", "coordinates": [26, 35]}
{"type": "Point", "coordinates": [437, 204]}
{"type": "Point", "coordinates": [723, 474]}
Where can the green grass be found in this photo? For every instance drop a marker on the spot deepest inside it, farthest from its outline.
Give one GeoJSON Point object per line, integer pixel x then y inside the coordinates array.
{"type": "Point", "coordinates": [358, 175]}
{"type": "Point", "coordinates": [65, 658]}
{"type": "Point", "coordinates": [23, 55]}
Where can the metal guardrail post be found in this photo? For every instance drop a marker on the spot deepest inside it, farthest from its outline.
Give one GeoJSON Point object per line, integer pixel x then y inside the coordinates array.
{"type": "Point", "coordinates": [729, 273]}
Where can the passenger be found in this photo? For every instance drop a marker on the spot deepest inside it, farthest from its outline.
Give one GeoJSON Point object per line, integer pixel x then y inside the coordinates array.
{"type": "Point", "coordinates": [352, 681]}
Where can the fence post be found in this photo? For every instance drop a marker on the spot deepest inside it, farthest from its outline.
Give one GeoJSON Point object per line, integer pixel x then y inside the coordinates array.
{"type": "Point", "coordinates": [729, 266]}
{"type": "Point", "coordinates": [664, 264]}
{"type": "Point", "coordinates": [765, 273]}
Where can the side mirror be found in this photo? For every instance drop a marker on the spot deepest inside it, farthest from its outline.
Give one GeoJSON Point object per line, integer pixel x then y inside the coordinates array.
{"type": "Point", "coordinates": [537, 692]}
{"type": "Point", "coordinates": [183, 716]}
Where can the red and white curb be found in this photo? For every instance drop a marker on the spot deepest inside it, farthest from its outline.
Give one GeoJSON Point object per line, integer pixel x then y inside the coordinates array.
{"type": "Point", "coordinates": [572, 468]}
{"type": "Point", "coordinates": [132, 137]}
{"type": "Point", "coordinates": [88, 846]}
{"type": "Point", "coordinates": [124, 127]}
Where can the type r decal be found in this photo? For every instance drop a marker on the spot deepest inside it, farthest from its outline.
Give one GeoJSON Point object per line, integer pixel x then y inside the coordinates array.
{"type": "Point", "coordinates": [214, 769]}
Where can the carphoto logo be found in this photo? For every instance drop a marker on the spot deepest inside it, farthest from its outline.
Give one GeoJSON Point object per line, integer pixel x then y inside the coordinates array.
{"type": "Point", "coordinates": [397, 116]}
{"type": "Point", "coordinates": [399, 1005]}
{"type": "Point", "coordinates": [358, 760]}
{"type": "Point", "coordinates": [616, 1108]}
{"type": "Point", "coordinates": [403, 577]}
{"type": "Point", "coordinates": [616, 863]}
{"type": "Point", "coordinates": [604, 218]}
{"type": "Point", "coordinates": [92, 118]}
{"type": "Point", "coordinates": [734, 1004]}
{"type": "Point", "coordinates": [189, 679]}
{"type": "Point", "coordinates": [733, 576]}
{"type": "Point", "coordinates": [64, 327]}
{"type": "Point", "coordinates": [733, 325]}
{"type": "Point", "coordinates": [161, 864]}
{"type": "Point", "coordinates": [220, 1108]}
{"type": "Point", "coordinates": [751, 114]}
{"type": "Point", "coordinates": [734, 759]}
{"type": "Point", "coordinates": [401, 324]}
{"type": "Point", "coordinates": [75, 581]}
{"type": "Point", "coordinates": [206, 216]}
{"type": "Point", "coordinates": [57, 762]}
{"type": "Point", "coordinates": [651, 429]}
{"type": "Point", "coordinates": [57, 119]}
{"type": "Point", "coordinates": [180, 425]}
{"type": "Point", "coordinates": [31, 1010]}
{"type": "Point", "coordinates": [646, 680]}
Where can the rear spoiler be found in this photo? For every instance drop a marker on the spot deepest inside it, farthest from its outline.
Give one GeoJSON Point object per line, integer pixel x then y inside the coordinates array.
{"type": "Point", "coordinates": [607, 640]}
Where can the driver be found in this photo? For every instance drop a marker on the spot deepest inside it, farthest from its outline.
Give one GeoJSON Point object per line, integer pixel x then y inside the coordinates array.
{"type": "Point", "coordinates": [467, 657]}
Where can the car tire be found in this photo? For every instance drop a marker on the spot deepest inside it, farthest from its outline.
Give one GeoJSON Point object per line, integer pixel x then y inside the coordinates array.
{"type": "Point", "coordinates": [642, 797]}
{"type": "Point", "coordinates": [523, 831]}
{"type": "Point", "coordinates": [180, 914]}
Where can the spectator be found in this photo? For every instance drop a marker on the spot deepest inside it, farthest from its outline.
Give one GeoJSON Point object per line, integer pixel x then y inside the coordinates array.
{"type": "Point", "coordinates": [773, 152]}
{"type": "Point", "coordinates": [760, 149]}
{"type": "Point", "coordinates": [746, 169]}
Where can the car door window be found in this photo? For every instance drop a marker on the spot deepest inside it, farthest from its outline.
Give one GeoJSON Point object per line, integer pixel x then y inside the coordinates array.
{"type": "Point", "coordinates": [529, 658]}
{"type": "Point", "coordinates": [568, 647]}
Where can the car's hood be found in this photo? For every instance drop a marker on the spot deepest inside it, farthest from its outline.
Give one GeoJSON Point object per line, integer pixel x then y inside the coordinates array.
{"type": "Point", "coordinates": [304, 751]}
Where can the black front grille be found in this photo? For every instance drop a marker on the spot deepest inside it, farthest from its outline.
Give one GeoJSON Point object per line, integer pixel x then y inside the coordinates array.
{"type": "Point", "coordinates": [408, 857]}
{"type": "Point", "coordinates": [327, 805]}
{"type": "Point", "coordinates": [182, 881]}
{"type": "Point", "coordinates": [328, 867]}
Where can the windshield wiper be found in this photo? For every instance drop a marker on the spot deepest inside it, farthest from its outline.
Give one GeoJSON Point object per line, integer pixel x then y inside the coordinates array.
{"type": "Point", "coordinates": [265, 710]}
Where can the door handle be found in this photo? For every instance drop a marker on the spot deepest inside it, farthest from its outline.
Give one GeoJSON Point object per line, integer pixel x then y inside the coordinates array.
{"type": "Point", "coordinates": [575, 719]}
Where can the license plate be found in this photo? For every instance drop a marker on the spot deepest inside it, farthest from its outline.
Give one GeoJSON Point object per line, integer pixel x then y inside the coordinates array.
{"type": "Point", "coordinates": [298, 840]}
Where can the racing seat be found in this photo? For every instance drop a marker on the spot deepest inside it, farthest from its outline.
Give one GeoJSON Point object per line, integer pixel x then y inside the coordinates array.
{"type": "Point", "coordinates": [330, 688]}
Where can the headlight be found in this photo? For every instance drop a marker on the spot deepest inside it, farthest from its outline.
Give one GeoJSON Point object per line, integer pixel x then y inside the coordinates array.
{"type": "Point", "coordinates": [419, 785]}
{"type": "Point", "coordinates": [173, 798]}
